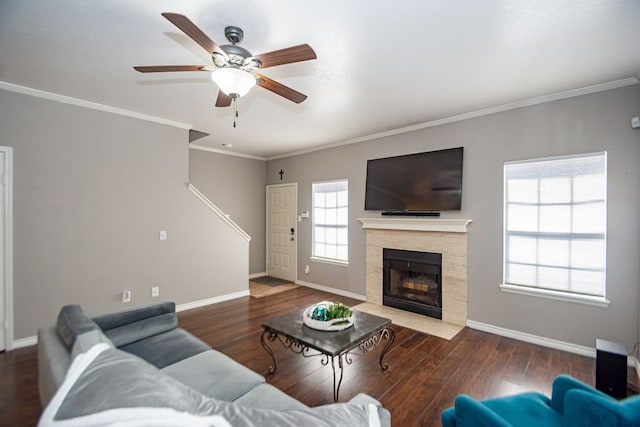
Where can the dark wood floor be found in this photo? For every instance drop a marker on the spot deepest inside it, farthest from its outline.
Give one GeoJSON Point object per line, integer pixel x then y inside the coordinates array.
{"type": "Point", "coordinates": [424, 376]}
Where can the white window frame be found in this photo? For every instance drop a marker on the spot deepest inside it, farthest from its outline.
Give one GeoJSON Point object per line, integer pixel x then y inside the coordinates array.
{"type": "Point", "coordinates": [332, 225]}
{"type": "Point", "coordinates": [539, 289]}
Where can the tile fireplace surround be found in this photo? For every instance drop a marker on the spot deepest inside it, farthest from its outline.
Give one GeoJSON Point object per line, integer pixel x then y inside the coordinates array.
{"type": "Point", "coordinates": [445, 236]}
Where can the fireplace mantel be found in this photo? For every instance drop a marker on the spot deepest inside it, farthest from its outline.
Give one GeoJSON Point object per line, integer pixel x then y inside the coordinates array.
{"type": "Point", "coordinates": [417, 224]}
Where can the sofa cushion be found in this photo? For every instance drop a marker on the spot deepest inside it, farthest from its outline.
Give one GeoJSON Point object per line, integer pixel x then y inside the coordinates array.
{"type": "Point", "coordinates": [106, 385]}
{"type": "Point", "coordinates": [72, 322]}
{"type": "Point", "coordinates": [126, 327]}
{"type": "Point", "coordinates": [167, 348]}
{"type": "Point", "coordinates": [266, 396]}
{"type": "Point", "coordinates": [215, 375]}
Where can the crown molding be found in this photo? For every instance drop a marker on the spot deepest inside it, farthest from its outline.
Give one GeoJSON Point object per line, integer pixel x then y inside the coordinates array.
{"type": "Point", "coordinates": [91, 105]}
{"type": "Point", "coordinates": [466, 116]}
{"type": "Point", "coordinates": [225, 152]}
{"type": "Point", "coordinates": [473, 114]}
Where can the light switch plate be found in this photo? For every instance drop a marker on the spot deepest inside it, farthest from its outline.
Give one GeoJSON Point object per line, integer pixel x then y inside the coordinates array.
{"type": "Point", "coordinates": [163, 235]}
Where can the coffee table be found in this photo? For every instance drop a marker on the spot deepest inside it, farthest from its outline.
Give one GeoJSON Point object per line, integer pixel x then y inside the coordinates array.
{"type": "Point", "coordinates": [366, 333]}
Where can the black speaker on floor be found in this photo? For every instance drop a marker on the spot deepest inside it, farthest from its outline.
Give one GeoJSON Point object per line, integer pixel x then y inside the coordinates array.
{"type": "Point", "coordinates": [611, 368]}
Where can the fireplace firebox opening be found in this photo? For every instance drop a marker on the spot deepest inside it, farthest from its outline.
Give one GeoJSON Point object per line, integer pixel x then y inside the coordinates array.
{"type": "Point", "coordinates": [412, 281]}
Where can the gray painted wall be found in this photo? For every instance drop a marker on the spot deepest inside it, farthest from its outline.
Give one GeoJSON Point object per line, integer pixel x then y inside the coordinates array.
{"type": "Point", "coordinates": [91, 192]}
{"type": "Point", "coordinates": [237, 186]}
{"type": "Point", "coordinates": [587, 123]}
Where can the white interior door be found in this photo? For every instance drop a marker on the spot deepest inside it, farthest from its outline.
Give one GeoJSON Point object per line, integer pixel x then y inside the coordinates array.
{"type": "Point", "coordinates": [282, 231]}
{"type": "Point", "coordinates": [5, 319]}
{"type": "Point", "coordinates": [3, 311]}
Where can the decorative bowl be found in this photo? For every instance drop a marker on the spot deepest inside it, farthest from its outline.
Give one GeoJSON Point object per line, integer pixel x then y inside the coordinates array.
{"type": "Point", "coordinates": [312, 315]}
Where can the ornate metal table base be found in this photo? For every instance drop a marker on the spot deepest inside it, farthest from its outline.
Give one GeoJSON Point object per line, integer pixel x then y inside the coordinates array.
{"type": "Point", "coordinates": [343, 357]}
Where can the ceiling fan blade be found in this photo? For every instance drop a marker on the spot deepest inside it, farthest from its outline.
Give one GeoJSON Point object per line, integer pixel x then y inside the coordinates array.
{"type": "Point", "coordinates": [170, 68]}
{"type": "Point", "coordinates": [223, 100]}
{"type": "Point", "coordinates": [195, 33]}
{"type": "Point", "coordinates": [280, 89]}
{"type": "Point", "coordinates": [302, 52]}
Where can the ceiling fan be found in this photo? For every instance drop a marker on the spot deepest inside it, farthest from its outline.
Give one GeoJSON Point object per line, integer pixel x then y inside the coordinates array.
{"type": "Point", "coordinates": [233, 66]}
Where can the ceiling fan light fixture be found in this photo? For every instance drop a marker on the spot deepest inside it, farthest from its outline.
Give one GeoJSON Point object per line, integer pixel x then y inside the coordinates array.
{"type": "Point", "coordinates": [233, 81]}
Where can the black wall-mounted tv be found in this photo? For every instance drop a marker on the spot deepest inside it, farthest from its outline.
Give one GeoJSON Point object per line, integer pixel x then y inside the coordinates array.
{"type": "Point", "coordinates": [422, 182]}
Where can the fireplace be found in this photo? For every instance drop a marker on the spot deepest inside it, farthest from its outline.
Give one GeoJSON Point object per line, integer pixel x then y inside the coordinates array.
{"type": "Point", "coordinates": [412, 281]}
{"type": "Point", "coordinates": [445, 236]}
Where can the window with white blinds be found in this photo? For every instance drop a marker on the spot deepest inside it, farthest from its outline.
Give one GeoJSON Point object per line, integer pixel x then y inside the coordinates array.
{"type": "Point", "coordinates": [555, 222]}
{"type": "Point", "coordinates": [331, 220]}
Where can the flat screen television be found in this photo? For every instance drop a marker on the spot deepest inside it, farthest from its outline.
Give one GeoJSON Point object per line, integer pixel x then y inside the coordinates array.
{"type": "Point", "coordinates": [422, 182]}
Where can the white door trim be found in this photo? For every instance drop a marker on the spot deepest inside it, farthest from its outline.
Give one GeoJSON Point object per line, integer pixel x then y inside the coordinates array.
{"type": "Point", "coordinates": [8, 246]}
{"type": "Point", "coordinates": [268, 216]}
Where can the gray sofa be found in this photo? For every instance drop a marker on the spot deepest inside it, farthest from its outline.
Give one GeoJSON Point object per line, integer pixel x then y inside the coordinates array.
{"type": "Point", "coordinates": [140, 359]}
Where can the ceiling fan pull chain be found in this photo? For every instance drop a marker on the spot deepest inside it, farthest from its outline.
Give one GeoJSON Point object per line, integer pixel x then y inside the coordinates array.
{"type": "Point", "coordinates": [235, 110]}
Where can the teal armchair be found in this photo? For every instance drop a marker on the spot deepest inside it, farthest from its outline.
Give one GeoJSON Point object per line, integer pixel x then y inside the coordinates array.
{"type": "Point", "coordinates": [573, 403]}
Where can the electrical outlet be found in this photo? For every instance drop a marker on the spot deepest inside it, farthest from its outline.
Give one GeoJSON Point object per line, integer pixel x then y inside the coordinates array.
{"type": "Point", "coordinates": [306, 269]}
{"type": "Point", "coordinates": [155, 291]}
{"type": "Point", "coordinates": [126, 296]}
{"type": "Point", "coordinates": [163, 234]}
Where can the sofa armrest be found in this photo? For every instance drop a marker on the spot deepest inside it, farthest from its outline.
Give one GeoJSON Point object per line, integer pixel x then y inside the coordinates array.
{"type": "Point", "coordinates": [129, 326]}
{"type": "Point", "coordinates": [54, 359]}
{"type": "Point", "coordinates": [72, 322]}
{"type": "Point", "coordinates": [471, 413]}
{"type": "Point", "coordinates": [563, 384]}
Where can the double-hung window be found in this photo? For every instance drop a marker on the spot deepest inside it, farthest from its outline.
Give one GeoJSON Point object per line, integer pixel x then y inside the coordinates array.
{"type": "Point", "coordinates": [555, 226]}
{"type": "Point", "coordinates": [331, 221]}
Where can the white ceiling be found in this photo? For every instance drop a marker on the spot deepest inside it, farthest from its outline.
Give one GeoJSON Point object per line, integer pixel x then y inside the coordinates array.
{"type": "Point", "coordinates": [381, 65]}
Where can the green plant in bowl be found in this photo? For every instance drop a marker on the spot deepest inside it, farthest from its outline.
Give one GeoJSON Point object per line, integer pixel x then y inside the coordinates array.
{"type": "Point", "coordinates": [337, 310]}
{"type": "Point", "coordinates": [328, 316]}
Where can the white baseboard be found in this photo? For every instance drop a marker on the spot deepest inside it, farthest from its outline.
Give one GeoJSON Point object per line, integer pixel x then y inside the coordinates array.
{"type": "Point", "coordinates": [33, 340]}
{"type": "Point", "coordinates": [256, 275]}
{"type": "Point", "coordinates": [23, 342]}
{"type": "Point", "coordinates": [331, 290]}
{"type": "Point", "coordinates": [545, 342]}
{"type": "Point", "coordinates": [209, 301]}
